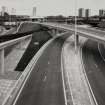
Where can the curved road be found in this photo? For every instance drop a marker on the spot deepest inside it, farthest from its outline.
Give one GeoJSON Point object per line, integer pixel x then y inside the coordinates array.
{"type": "Point", "coordinates": [44, 85]}
{"type": "Point", "coordinates": [95, 69]}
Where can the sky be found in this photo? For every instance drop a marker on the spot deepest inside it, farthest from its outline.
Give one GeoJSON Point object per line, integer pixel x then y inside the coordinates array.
{"type": "Point", "coordinates": [51, 7]}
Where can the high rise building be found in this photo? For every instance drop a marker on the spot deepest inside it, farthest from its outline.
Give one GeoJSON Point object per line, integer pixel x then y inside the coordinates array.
{"type": "Point", "coordinates": [81, 12]}
{"type": "Point", "coordinates": [101, 12]}
{"type": "Point", "coordinates": [34, 11]}
{"type": "Point", "coordinates": [87, 13]}
{"type": "Point", "coordinates": [3, 10]}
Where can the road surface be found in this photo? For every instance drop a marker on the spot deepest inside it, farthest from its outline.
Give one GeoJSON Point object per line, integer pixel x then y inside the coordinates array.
{"type": "Point", "coordinates": [44, 85]}
{"type": "Point", "coordinates": [95, 69]}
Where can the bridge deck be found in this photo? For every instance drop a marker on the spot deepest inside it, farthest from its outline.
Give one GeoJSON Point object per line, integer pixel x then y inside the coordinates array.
{"type": "Point", "coordinates": [90, 33]}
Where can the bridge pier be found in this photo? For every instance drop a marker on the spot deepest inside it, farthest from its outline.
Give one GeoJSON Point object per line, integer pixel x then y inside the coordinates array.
{"type": "Point", "coordinates": [76, 42]}
{"type": "Point", "coordinates": [2, 61]}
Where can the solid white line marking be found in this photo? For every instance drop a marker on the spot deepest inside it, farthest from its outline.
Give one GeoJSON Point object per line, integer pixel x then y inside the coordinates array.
{"type": "Point", "coordinates": [96, 65]}
{"type": "Point", "coordinates": [36, 43]}
{"type": "Point", "coordinates": [63, 81]}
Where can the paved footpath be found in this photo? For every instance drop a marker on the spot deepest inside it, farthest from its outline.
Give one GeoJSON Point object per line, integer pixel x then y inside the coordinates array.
{"type": "Point", "coordinates": [74, 70]}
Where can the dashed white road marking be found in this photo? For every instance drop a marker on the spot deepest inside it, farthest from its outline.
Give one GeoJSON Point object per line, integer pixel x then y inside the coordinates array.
{"type": "Point", "coordinates": [45, 78]}
{"type": "Point", "coordinates": [36, 43]}
{"type": "Point", "coordinates": [48, 62]}
{"type": "Point", "coordinates": [96, 65]}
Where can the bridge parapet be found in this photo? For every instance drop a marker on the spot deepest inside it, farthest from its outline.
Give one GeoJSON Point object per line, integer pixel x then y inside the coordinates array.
{"type": "Point", "coordinates": [7, 44]}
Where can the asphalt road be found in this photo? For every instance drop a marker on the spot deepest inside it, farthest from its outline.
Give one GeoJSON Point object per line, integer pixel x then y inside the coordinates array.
{"type": "Point", "coordinates": [95, 69]}
{"type": "Point", "coordinates": [44, 85]}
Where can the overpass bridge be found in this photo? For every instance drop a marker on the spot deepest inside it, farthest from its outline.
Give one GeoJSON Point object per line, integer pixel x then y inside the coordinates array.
{"type": "Point", "coordinates": [90, 33]}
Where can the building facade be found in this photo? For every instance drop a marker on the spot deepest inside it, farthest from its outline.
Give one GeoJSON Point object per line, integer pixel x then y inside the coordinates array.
{"type": "Point", "coordinates": [81, 12]}
{"type": "Point", "coordinates": [87, 13]}
{"type": "Point", "coordinates": [34, 11]}
{"type": "Point", "coordinates": [3, 10]}
{"type": "Point", "coordinates": [101, 12]}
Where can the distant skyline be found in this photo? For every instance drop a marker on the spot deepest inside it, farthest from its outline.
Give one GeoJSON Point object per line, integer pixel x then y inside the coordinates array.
{"type": "Point", "coordinates": [51, 7]}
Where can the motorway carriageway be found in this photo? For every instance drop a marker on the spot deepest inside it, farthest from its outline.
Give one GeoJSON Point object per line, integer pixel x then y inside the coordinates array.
{"type": "Point", "coordinates": [94, 66]}
{"type": "Point", "coordinates": [44, 85]}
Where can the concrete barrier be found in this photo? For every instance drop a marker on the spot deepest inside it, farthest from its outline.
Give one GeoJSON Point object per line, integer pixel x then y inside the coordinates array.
{"type": "Point", "coordinates": [3, 46]}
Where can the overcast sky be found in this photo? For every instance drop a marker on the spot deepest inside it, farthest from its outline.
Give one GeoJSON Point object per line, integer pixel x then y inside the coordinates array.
{"type": "Point", "coordinates": [51, 7]}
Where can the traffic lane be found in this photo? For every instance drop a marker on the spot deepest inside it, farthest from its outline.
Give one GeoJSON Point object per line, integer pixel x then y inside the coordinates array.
{"type": "Point", "coordinates": [44, 86]}
{"type": "Point", "coordinates": [94, 67]}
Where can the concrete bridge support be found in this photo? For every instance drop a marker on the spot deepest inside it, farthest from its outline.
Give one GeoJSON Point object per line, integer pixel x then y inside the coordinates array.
{"type": "Point", "coordinates": [2, 61]}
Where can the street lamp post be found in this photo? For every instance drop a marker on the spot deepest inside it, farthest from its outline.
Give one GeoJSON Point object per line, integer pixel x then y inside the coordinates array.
{"type": "Point", "coordinates": [75, 33]}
